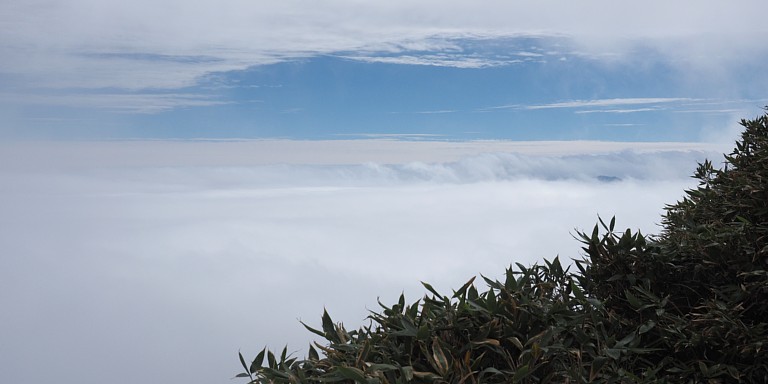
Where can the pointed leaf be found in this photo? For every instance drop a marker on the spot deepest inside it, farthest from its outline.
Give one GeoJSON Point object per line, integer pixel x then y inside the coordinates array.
{"type": "Point", "coordinates": [313, 355]}
{"type": "Point", "coordinates": [646, 327]}
{"type": "Point", "coordinates": [626, 340]}
{"type": "Point", "coordinates": [409, 329]}
{"type": "Point", "coordinates": [613, 353]}
{"type": "Point", "coordinates": [521, 373]}
{"type": "Point", "coordinates": [382, 367]}
{"type": "Point", "coordinates": [423, 333]}
{"type": "Point", "coordinates": [462, 291]}
{"type": "Point", "coordinates": [313, 330]}
{"type": "Point", "coordinates": [242, 361]}
{"type": "Point", "coordinates": [577, 291]}
{"type": "Point", "coordinates": [256, 363]}
{"type": "Point", "coordinates": [431, 289]}
{"type": "Point", "coordinates": [329, 329]}
{"type": "Point", "coordinates": [516, 342]}
{"type": "Point", "coordinates": [440, 359]}
{"type": "Point", "coordinates": [633, 300]}
{"type": "Point", "coordinates": [597, 365]}
{"type": "Point", "coordinates": [352, 374]}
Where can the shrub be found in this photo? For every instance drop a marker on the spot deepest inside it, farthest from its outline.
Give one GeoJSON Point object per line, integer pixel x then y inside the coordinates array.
{"type": "Point", "coordinates": [686, 306]}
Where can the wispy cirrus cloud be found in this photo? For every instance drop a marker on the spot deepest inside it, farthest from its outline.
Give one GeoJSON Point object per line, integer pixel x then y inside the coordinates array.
{"type": "Point", "coordinates": [598, 103]}
{"type": "Point", "coordinates": [141, 103]}
{"type": "Point", "coordinates": [631, 110]}
{"type": "Point", "coordinates": [392, 136]}
{"type": "Point", "coordinates": [439, 111]}
{"type": "Point", "coordinates": [455, 61]}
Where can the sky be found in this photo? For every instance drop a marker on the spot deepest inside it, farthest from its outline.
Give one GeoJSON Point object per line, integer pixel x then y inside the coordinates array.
{"type": "Point", "coordinates": [183, 180]}
{"type": "Point", "coordinates": [524, 70]}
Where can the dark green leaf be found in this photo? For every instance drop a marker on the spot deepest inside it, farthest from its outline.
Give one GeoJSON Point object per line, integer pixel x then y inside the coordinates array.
{"type": "Point", "coordinates": [596, 366]}
{"type": "Point", "coordinates": [647, 326]}
{"type": "Point", "coordinates": [256, 363]}
{"type": "Point", "coordinates": [521, 373]}
{"type": "Point", "coordinates": [351, 373]}
{"type": "Point", "coordinates": [432, 290]}
{"type": "Point", "coordinates": [242, 361]}
{"type": "Point", "coordinates": [613, 353]}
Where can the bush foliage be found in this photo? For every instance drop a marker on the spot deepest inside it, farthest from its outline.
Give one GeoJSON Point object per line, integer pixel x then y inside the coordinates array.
{"type": "Point", "coordinates": [689, 305]}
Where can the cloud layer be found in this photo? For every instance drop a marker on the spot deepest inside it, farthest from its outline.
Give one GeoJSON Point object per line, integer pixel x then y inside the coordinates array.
{"type": "Point", "coordinates": [155, 272]}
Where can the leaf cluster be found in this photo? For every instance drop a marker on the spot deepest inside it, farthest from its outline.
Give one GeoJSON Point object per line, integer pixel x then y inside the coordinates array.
{"type": "Point", "coordinates": [686, 306]}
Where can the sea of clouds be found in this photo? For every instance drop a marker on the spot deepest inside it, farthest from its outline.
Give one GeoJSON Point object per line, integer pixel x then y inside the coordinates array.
{"type": "Point", "coordinates": [136, 262]}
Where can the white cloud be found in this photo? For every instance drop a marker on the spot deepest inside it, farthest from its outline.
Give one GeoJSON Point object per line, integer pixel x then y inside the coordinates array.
{"type": "Point", "coordinates": [160, 255]}
{"type": "Point", "coordinates": [143, 44]}
{"type": "Point", "coordinates": [116, 102]}
{"type": "Point", "coordinates": [436, 112]}
{"type": "Point", "coordinates": [609, 102]}
{"type": "Point", "coordinates": [633, 110]}
{"type": "Point", "coordinates": [237, 153]}
{"type": "Point", "coordinates": [602, 103]}
{"type": "Point", "coordinates": [456, 61]}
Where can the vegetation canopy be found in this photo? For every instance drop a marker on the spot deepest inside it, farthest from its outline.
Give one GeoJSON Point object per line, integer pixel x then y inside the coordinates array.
{"type": "Point", "coordinates": [685, 306]}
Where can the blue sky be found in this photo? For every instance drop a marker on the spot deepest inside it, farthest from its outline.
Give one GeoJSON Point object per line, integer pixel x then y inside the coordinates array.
{"type": "Point", "coordinates": [350, 70]}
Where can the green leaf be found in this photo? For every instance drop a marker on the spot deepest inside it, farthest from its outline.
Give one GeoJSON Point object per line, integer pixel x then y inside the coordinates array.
{"type": "Point", "coordinates": [490, 300]}
{"type": "Point", "coordinates": [276, 373]}
{"type": "Point", "coordinates": [409, 329]}
{"type": "Point", "coordinates": [442, 365]}
{"type": "Point", "coordinates": [597, 365]}
{"type": "Point", "coordinates": [595, 302]}
{"type": "Point", "coordinates": [516, 342]}
{"type": "Point", "coordinates": [646, 327]}
{"type": "Point", "coordinates": [382, 367]}
{"type": "Point", "coordinates": [577, 291]}
{"type": "Point", "coordinates": [463, 290]}
{"type": "Point", "coordinates": [407, 372]}
{"type": "Point", "coordinates": [432, 290]}
{"type": "Point", "coordinates": [521, 373]}
{"type": "Point", "coordinates": [492, 370]}
{"type": "Point", "coordinates": [313, 355]}
{"type": "Point", "coordinates": [328, 323]}
{"type": "Point", "coordinates": [633, 300]}
{"type": "Point", "coordinates": [600, 219]}
{"type": "Point", "coordinates": [242, 361]}
{"type": "Point", "coordinates": [618, 276]}
{"type": "Point", "coordinates": [742, 219]}
{"type": "Point", "coordinates": [423, 333]}
{"type": "Point", "coordinates": [256, 363]}
{"type": "Point", "coordinates": [329, 329]}
{"type": "Point", "coordinates": [313, 330]}
{"type": "Point", "coordinates": [626, 340]}
{"type": "Point", "coordinates": [613, 353]}
{"type": "Point", "coordinates": [703, 368]}
{"type": "Point", "coordinates": [429, 376]}
{"type": "Point", "coordinates": [352, 374]}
